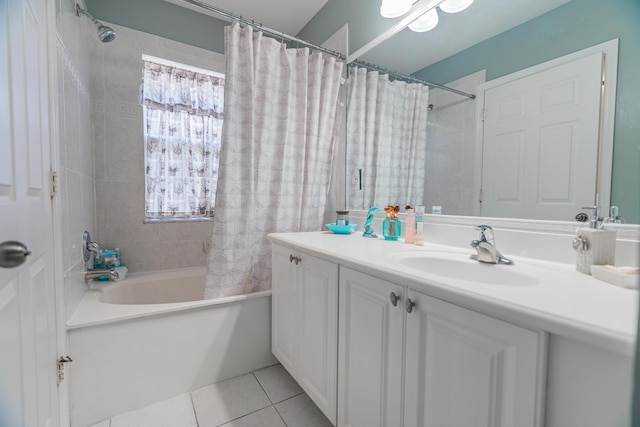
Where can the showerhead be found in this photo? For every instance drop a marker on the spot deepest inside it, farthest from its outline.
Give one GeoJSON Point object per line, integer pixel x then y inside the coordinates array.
{"type": "Point", "coordinates": [105, 34]}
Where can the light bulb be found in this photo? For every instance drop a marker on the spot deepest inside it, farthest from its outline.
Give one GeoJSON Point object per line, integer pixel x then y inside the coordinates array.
{"type": "Point", "coordinates": [455, 6]}
{"type": "Point", "coordinates": [395, 8]}
{"type": "Point", "coordinates": [426, 22]}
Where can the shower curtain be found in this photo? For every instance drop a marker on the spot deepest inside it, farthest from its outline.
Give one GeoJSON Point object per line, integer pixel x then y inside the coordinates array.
{"type": "Point", "coordinates": [276, 156]}
{"type": "Point", "coordinates": [386, 140]}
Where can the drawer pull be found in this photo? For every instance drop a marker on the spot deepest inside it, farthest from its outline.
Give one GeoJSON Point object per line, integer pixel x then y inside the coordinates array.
{"type": "Point", "coordinates": [408, 305]}
{"type": "Point", "coordinates": [394, 298]}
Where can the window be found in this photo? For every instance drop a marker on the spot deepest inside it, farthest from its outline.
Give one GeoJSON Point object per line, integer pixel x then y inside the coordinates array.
{"type": "Point", "coordinates": [183, 115]}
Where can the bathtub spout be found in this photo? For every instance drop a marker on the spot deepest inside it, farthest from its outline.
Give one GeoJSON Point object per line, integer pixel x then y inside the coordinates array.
{"type": "Point", "coordinates": [90, 274]}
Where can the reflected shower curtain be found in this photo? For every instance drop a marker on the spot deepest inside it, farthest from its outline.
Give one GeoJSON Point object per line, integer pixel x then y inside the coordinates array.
{"type": "Point", "coordinates": [386, 140]}
{"type": "Point", "coordinates": [276, 157]}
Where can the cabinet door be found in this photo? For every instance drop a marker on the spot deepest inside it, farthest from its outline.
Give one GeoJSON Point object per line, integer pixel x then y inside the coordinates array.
{"type": "Point", "coordinates": [284, 333]}
{"type": "Point", "coordinates": [465, 369]}
{"type": "Point", "coordinates": [317, 325]}
{"type": "Point", "coordinates": [370, 359]}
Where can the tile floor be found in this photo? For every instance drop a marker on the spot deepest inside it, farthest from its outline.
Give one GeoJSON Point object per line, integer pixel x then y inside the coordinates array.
{"type": "Point", "coordinates": [267, 397]}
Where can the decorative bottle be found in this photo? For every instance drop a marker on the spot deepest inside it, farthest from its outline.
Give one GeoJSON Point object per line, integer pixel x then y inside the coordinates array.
{"type": "Point", "coordinates": [410, 227]}
{"type": "Point", "coordinates": [419, 238]}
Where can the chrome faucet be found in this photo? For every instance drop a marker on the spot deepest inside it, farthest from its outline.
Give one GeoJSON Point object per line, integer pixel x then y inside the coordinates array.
{"type": "Point", "coordinates": [486, 247]}
{"type": "Point", "coordinates": [90, 274]}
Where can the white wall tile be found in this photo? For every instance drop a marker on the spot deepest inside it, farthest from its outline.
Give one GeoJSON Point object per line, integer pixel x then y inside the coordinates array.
{"type": "Point", "coordinates": [119, 154]}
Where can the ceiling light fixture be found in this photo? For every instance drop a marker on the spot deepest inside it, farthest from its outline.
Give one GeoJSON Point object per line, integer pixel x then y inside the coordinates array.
{"type": "Point", "coordinates": [426, 22]}
{"type": "Point", "coordinates": [455, 6]}
{"type": "Point", "coordinates": [395, 8]}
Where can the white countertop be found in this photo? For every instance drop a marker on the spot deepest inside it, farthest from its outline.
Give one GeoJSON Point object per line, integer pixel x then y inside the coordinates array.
{"type": "Point", "coordinates": [564, 302]}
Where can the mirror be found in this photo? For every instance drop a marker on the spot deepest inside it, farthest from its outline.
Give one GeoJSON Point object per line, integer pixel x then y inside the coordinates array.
{"type": "Point", "coordinates": [467, 51]}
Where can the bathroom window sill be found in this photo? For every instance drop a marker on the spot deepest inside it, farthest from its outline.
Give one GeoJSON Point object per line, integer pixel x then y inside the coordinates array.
{"type": "Point", "coordinates": [174, 220]}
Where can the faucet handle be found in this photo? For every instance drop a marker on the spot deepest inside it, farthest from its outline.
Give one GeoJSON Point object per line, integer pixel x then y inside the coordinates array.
{"type": "Point", "coordinates": [595, 218]}
{"type": "Point", "coordinates": [484, 231]}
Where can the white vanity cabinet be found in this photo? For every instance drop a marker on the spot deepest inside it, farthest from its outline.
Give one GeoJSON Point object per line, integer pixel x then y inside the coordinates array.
{"type": "Point", "coordinates": [463, 368]}
{"type": "Point", "coordinates": [304, 323]}
{"type": "Point", "coordinates": [407, 359]}
{"type": "Point", "coordinates": [370, 359]}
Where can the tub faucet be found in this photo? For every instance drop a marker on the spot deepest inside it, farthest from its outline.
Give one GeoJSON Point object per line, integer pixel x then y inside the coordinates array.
{"type": "Point", "coordinates": [90, 274]}
{"type": "Point", "coordinates": [486, 247]}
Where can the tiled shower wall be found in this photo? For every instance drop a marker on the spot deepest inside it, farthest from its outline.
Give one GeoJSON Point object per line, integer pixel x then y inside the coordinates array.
{"type": "Point", "coordinates": [74, 39]}
{"type": "Point", "coordinates": [451, 148]}
{"type": "Point", "coordinates": [116, 71]}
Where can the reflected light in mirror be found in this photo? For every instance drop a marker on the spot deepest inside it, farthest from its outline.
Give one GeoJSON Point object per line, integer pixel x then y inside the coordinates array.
{"type": "Point", "coordinates": [455, 6]}
{"type": "Point", "coordinates": [426, 22]}
{"type": "Point", "coordinates": [395, 8]}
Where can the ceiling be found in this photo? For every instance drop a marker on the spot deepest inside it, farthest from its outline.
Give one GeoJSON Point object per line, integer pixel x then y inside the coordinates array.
{"type": "Point", "coordinates": [407, 51]}
{"type": "Point", "coordinates": [287, 16]}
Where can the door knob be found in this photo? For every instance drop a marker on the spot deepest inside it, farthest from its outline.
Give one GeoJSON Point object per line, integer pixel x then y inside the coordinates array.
{"type": "Point", "coordinates": [12, 254]}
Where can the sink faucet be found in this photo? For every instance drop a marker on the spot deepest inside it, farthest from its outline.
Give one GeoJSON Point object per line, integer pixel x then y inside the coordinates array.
{"type": "Point", "coordinates": [90, 274]}
{"type": "Point", "coordinates": [486, 247]}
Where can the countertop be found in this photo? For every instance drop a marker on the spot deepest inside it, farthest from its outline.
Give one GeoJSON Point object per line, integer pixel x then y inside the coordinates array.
{"type": "Point", "coordinates": [564, 302]}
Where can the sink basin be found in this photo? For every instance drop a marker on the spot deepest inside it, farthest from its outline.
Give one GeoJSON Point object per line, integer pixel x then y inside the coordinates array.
{"type": "Point", "coordinates": [460, 267]}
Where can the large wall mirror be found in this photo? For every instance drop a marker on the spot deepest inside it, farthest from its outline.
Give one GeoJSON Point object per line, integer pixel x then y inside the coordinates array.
{"type": "Point", "coordinates": [487, 46]}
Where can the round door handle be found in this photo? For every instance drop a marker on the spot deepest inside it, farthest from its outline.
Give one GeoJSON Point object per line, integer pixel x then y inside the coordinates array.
{"type": "Point", "coordinates": [291, 257]}
{"type": "Point", "coordinates": [13, 254]}
{"type": "Point", "coordinates": [394, 298]}
{"type": "Point", "coordinates": [408, 305]}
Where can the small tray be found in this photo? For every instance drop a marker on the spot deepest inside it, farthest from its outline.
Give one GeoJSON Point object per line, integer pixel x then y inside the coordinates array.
{"type": "Point", "coordinates": [341, 229]}
{"type": "Point", "coordinates": [626, 277]}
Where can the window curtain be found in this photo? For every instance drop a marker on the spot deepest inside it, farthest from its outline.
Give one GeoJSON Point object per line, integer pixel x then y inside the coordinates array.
{"type": "Point", "coordinates": [183, 116]}
{"type": "Point", "coordinates": [386, 140]}
{"type": "Point", "coordinates": [276, 158]}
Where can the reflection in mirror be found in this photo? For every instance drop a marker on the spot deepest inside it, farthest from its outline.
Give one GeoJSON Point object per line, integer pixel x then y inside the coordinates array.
{"type": "Point", "coordinates": [387, 140]}
{"type": "Point", "coordinates": [454, 122]}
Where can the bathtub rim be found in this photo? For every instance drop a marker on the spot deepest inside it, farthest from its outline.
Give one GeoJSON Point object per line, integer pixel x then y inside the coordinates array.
{"type": "Point", "coordinates": [92, 312]}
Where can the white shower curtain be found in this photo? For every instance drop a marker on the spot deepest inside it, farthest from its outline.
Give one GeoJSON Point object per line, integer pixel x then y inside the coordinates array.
{"type": "Point", "coordinates": [386, 140]}
{"type": "Point", "coordinates": [276, 157]}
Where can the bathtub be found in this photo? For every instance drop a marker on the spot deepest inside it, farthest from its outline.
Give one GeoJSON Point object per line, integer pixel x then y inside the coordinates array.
{"type": "Point", "coordinates": [151, 336]}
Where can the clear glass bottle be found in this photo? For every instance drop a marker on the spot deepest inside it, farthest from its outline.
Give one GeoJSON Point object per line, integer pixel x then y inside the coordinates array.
{"type": "Point", "coordinates": [342, 217]}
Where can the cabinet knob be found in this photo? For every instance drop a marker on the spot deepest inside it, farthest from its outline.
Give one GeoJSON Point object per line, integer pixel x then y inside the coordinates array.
{"type": "Point", "coordinates": [394, 298]}
{"type": "Point", "coordinates": [408, 305]}
{"type": "Point", "coordinates": [295, 259]}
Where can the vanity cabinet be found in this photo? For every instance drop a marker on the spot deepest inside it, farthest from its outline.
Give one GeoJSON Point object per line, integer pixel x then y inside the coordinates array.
{"type": "Point", "coordinates": [371, 351]}
{"type": "Point", "coordinates": [407, 359]}
{"type": "Point", "coordinates": [304, 323]}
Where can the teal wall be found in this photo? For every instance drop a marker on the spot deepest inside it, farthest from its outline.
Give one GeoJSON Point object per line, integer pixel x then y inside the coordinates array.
{"type": "Point", "coordinates": [574, 26]}
{"type": "Point", "coordinates": [577, 25]}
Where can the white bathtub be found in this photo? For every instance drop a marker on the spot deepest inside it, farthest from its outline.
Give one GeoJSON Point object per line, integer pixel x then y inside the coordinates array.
{"type": "Point", "coordinates": [152, 336]}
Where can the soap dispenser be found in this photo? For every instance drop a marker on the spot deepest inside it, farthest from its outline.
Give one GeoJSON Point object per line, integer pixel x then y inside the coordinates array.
{"type": "Point", "coordinates": [594, 245]}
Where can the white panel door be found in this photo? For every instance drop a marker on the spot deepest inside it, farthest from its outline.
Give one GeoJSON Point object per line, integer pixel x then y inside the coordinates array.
{"type": "Point", "coordinates": [284, 336]}
{"type": "Point", "coordinates": [318, 332]}
{"type": "Point", "coordinates": [465, 369]}
{"type": "Point", "coordinates": [28, 391]}
{"type": "Point", "coordinates": [540, 142]}
{"type": "Point", "coordinates": [370, 360]}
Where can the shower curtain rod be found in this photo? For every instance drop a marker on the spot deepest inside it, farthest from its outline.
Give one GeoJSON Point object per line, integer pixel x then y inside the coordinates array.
{"type": "Point", "coordinates": [412, 79]}
{"type": "Point", "coordinates": [278, 34]}
{"type": "Point", "coordinates": [275, 33]}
